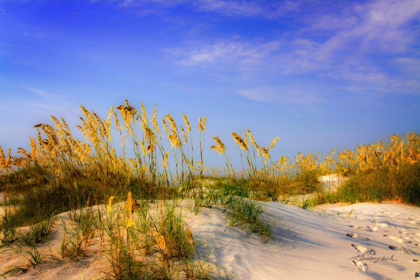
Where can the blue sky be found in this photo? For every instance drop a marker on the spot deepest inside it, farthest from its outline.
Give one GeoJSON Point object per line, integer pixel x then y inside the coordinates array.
{"type": "Point", "coordinates": [319, 74]}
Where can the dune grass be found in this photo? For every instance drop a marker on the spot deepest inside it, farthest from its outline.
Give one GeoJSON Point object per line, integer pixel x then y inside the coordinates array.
{"type": "Point", "coordinates": [143, 186]}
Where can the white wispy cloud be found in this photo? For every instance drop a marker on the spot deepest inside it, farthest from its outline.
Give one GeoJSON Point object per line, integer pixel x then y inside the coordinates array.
{"type": "Point", "coordinates": [342, 45]}
{"type": "Point", "coordinates": [36, 91]}
{"type": "Point", "coordinates": [42, 106]}
{"type": "Point", "coordinates": [381, 26]}
{"type": "Point", "coordinates": [281, 92]}
{"type": "Point", "coordinates": [48, 101]}
{"type": "Point", "coordinates": [225, 52]}
{"type": "Point", "coordinates": [42, 93]}
{"type": "Point", "coordinates": [267, 9]}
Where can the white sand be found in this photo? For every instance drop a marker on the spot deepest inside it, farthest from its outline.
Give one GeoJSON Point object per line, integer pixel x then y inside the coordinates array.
{"type": "Point", "coordinates": [309, 245]}
{"type": "Point", "coordinates": [331, 182]}
{"type": "Point", "coordinates": [306, 245]}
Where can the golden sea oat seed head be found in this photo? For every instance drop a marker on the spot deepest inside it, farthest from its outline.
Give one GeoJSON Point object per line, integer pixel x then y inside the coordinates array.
{"type": "Point", "coordinates": [265, 152]}
{"type": "Point", "coordinates": [154, 121]}
{"type": "Point", "coordinates": [151, 148]}
{"type": "Point", "coordinates": [56, 122]}
{"type": "Point", "coordinates": [204, 124]}
{"type": "Point", "coordinates": [187, 123]}
{"type": "Point", "coordinates": [165, 160]}
{"type": "Point", "coordinates": [199, 125]}
{"type": "Point", "coordinates": [110, 204]}
{"type": "Point", "coordinates": [129, 204]}
{"type": "Point", "coordinates": [184, 134]}
{"type": "Point", "coordinates": [165, 127]}
{"type": "Point", "coordinates": [111, 112]}
{"type": "Point", "coordinates": [143, 113]}
{"type": "Point", "coordinates": [189, 236]}
{"type": "Point", "coordinates": [23, 152]}
{"type": "Point", "coordinates": [172, 124]}
{"type": "Point", "coordinates": [235, 137]}
{"type": "Point", "coordinates": [160, 240]}
{"type": "Point", "coordinates": [273, 143]}
{"type": "Point", "coordinates": [246, 139]}
{"type": "Point", "coordinates": [130, 223]}
{"type": "Point", "coordinates": [143, 147]}
{"type": "Point", "coordinates": [85, 112]}
{"type": "Point", "coordinates": [238, 140]}
{"type": "Point", "coordinates": [2, 156]}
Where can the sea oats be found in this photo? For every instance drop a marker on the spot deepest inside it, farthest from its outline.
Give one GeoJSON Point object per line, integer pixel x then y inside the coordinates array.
{"type": "Point", "coordinates": [172, 124]}
{"type": "Point", "coordinates": [204, 124]}
{"type": "Point", "coordinates": [2, 155]}
{"type": "Point", "coordinates": [265, 154]}
{"type": "Point", "coordinates": [154, 121]}
{"type": "Point", "coordinates": [251, 137]}
{"type": "Point", "coordinates": [151, 148]}
{"type": "Point", "coordinates": [130, 223]}
{"type": "Point", "coordinates": [184, 134]}
{"type": "Point", "coordinates": [117, 121]}
{"type": "Point", "coordinates": [273, 143]}
{"type": "Point", "coordinates": [238, 140]}
{"type": "Point", "coordinates": [165, 127]}
{"type": "Point", "coordinates": [24, 152]}
{"type": "Point", "coordinates": [129, 204]}
{"type": "Point", "coordinates": [187, 123]}
{"type": "Point", "coordinates": [189, 236]}
{"type": "Point", "coordinates": [246, 139]}
{"type": "Point", "coordinates": [220, 147]}
{"type": "Point", "coordinates": [165, 160]}
{"type": "Point", "coordinates": [143, 114]}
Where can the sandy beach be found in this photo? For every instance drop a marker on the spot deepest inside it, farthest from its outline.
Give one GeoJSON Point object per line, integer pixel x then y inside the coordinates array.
{"type": "Point", "coordinates": [360, 241]}
{"type": "Point", "coordinates": [316, 244]}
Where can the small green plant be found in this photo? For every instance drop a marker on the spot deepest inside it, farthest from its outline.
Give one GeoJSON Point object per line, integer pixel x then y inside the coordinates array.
{"type": "Point", "coordinates": [33, 258]}
{"type": "Point", "coordinates": [37, 232]}
{"type": "Point", "coordinates": [306, 202]}
{"type": "Point", "coordinates": [72, 241]}
{"type": "Point", "coordinates": [8, 226]}
{"type": "Point", "coordinates": [247, 213]}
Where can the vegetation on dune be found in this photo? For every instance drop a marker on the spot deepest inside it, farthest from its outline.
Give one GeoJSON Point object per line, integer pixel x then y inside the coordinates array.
{"type": "Point", "coordinates": [62, 173]}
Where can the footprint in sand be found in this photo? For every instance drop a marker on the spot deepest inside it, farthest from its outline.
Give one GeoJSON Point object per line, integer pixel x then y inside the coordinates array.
{"type": "Point", "coordinates": [394, 238]}
{"type": "Point", "coordinates": [417, 275]}
{"type": "Point", "coordinates": [407, 239]}
{"type": "Point", "coordinates": [362, 249]}
{"type": "Point", "coordinates": [362, 266]}
{"type": "Point", "coordinates": [356, 236]}
{"type": "Point", "coordinates": [356, 227]}
{"type": "Point", "coordinates": [382, 225]}
{"type": "Point", "coordinates": [402, 249]}
{"type": "Point", "coordinates": [398, 249]}
{"type": "Point", "coordinates": [372, 228]}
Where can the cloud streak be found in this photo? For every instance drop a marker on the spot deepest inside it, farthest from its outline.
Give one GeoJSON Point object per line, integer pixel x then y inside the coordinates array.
{"type": "Point", "coordinates": [230, 8]}
{"type": "Point", "coordinates": [226, 52]}
{"type": "Point", "coordinates": [368, 47]}
{"type": "Point", "coordinates": [42, 93]}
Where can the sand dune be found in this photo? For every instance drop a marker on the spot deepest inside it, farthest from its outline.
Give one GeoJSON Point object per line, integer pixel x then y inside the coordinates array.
{"type": "Point", "coordinates": [361, 241]}
{"type": "Point", "coordinates": [316, 245]}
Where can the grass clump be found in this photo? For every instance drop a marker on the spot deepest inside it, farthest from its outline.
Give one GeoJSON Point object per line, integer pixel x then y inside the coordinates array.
{"type": "Point", "coordinates": [247, 213]}
{"type": "Point", "coordinates": [147, 237]}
